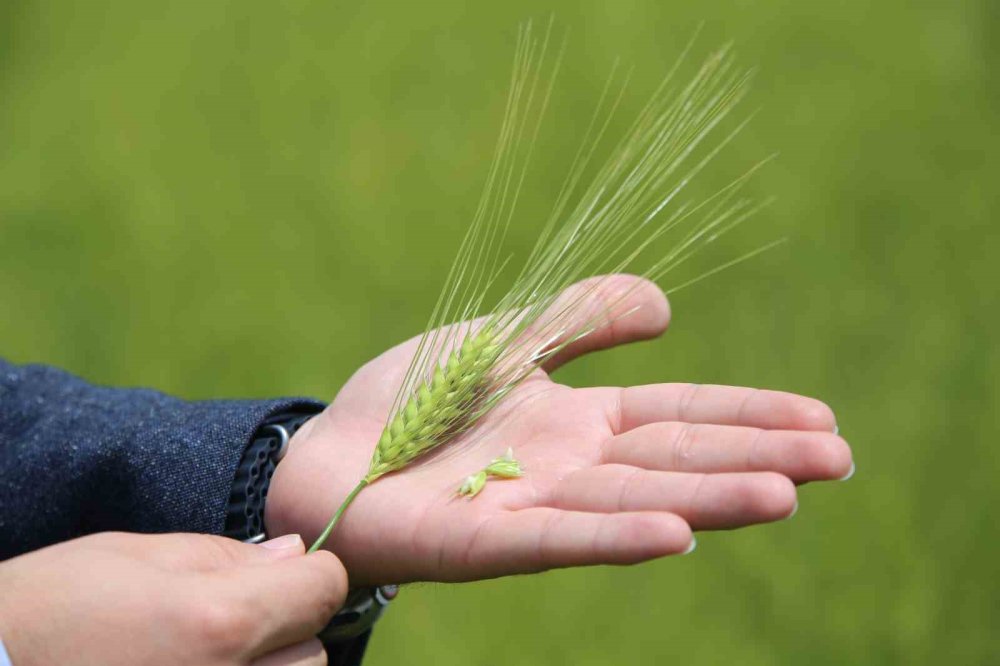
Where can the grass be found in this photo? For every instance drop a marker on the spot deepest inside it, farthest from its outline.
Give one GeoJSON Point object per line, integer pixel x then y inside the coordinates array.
{"type": "Point", "coordinates": [296, 159]}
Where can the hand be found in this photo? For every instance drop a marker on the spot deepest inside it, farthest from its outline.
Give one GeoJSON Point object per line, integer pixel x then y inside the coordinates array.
{"type": "Point", "coordinates": [612, 475]}
{"type": "Point", "coordinates": [117, 598]}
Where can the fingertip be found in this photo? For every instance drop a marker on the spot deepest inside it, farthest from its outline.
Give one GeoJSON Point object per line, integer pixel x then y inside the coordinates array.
{"type": "Point", "coordinates": [778, 499]}
{"type": "Point", "coordinates": [831, 457]}
{"type": "Point", "coordinates": [332, 567]}
{"type": "Point", "coordinates": [653, 312]}
{"type": "Point", "coordinates": [615, 309]}
{"type": "Point", "coordinates": [780, 410]}
{"type": "Point", "coordinates": [683, 534]}
{"type": "Point", "coordinates": [289, 545]}
{"type": "Point", "coordinates": [817, 415]}
{"type": "Point", "coordinates": [659, 534]}
{"type": "Point", "coordinates": [684, 541]}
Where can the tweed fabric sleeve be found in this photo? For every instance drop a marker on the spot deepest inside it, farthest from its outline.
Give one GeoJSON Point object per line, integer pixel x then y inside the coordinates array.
{"type": "Point", "coordinates": [76, 458]}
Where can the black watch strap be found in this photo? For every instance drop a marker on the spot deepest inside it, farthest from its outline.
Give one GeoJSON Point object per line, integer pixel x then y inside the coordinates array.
{"type": "Point", "coordinates": [245, 512]}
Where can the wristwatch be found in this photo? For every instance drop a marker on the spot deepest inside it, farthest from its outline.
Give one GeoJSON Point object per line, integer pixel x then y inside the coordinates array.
{"type": "Point", "coordinates": [245, 511]}
{"type": "Point", "coordinates": [245, 521]}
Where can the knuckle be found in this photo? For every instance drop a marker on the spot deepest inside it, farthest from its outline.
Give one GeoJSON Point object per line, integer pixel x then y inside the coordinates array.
{"type": "Point", "coordinates": [681, 437]}
{"type": "Point", "coordinates": [756, 452]}
{"type": "Point", "coordinates": [667, 431]}
{"type": "Point", "coordinates": [201, 551]}
{"type": "Point", "coordinates": [631, 482]}
{"type": "Point", "coordinates": [216, 550]}
{"type": "Point", "coordinates": [688, 396]}
{"type": "Point", "coordinates": [545, 556]}
{"type": "Point", "coordinates": [223, 626]}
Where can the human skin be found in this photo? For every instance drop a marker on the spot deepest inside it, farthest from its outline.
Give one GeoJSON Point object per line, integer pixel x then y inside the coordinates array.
{"type": "Point", "coordinates": [612, 475]}
{"type": "Point", "coordinates": [113, 599]}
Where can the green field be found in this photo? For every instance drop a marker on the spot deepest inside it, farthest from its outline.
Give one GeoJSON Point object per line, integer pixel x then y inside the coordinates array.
{"type": "Point", "coordinates": [226, 199]}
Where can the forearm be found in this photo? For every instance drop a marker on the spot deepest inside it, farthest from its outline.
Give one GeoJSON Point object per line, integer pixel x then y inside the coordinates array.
{"type": "Point", "coordinates": [79, 458]}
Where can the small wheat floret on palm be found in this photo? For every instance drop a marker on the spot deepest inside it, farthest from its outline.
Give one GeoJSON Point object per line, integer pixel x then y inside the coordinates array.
{"type": "Point", "coordinates": [504, 467]}
{"type": "Point", "coordinates": [461, 371]}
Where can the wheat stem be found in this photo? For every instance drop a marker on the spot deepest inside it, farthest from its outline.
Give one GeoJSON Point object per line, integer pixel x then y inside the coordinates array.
{"type": "Point", "coordinates": [336, 516]}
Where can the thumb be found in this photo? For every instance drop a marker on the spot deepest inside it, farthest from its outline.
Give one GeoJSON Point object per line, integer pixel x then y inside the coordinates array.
{"type": "Point", "coordinates": [280, 548]}
{"type": "Point", "coordinates": [204, 552]}
{"type": "Point", "coordinates": [290, 601]}
{"type": "Point", "coordinates": [619, 308]}
{"type": "Point", "coordinates": [236, 553]}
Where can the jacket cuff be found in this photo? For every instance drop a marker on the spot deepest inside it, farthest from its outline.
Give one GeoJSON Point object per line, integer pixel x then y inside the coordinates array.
{"type": "Point", "coordinates": [206, 444]}
{"type": "Point", "coordinates": [80, 458]}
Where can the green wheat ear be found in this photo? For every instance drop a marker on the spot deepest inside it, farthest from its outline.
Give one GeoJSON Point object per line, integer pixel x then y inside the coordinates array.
{"type": "Point", "coordinates": [440, 408]}
{"type": "Point", "coordinates": [458, 373]}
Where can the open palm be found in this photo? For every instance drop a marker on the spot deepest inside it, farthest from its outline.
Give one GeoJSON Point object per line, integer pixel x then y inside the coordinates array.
{"type": "Point", "coordinates": [612, 475]}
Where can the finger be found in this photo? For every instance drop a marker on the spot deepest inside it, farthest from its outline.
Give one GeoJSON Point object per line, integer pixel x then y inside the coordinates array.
{"type": "Point", "coordinates": [623, 308]}
{"type": "Point", "coordinates": [541, 538]}
{"type": "Point", "coordinates": [306, 653]}
{"type": "Point", "coordinates": [290, 601]}
{"type": "Point", "coordinates": [201, 552]}
{"type": "Point", "coordinates": [722, 405]}
{"type": "Point", "coordinates": [705, 501]}
{"type": "Point", "coordinates": [684, 447]}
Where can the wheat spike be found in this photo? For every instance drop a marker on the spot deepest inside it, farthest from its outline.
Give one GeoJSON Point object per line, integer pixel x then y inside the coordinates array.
{"type": "Point", "coordinates": [440, 408]}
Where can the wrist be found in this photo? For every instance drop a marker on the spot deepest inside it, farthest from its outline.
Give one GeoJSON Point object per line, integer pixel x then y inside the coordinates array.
{"type": "Point", "coordinates": [297, 504]}
{"type": "Point", "coordinates": [279, 511]}
{"type": "Point", "coordinates": [295, 499]}
{"type": "Point", "coordinates": [248, 495]}
{"type": "Point", "coordinates": [312, 480]}
{"type": "Point", "coordinates": [325, 461]}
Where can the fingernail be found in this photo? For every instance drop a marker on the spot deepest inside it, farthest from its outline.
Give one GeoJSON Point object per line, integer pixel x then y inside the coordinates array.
{"type": "Point", "coordinates": [795, 510]}
{"type": "Point", "coordinates": [849, 474]}
{"type": "Point", "coordinates": [836, 429]}
{"type": "Point", "coordinates": [690, 548]}
{"type": "Point", "coordinates": [284, 543]}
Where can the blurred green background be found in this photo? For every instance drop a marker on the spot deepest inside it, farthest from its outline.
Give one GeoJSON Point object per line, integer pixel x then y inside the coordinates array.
{"type": "Point", "coordinates": [226, 199]}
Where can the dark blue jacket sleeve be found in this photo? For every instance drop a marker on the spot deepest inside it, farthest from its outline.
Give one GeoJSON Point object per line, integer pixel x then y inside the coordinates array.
{"type": "Point", "coordinates": [77, 458]}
